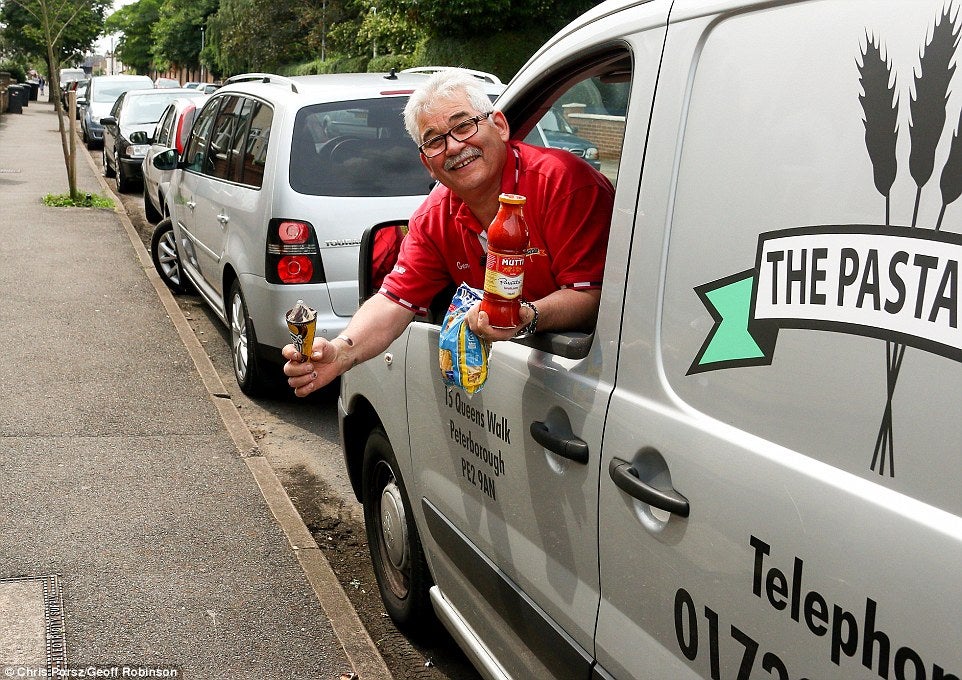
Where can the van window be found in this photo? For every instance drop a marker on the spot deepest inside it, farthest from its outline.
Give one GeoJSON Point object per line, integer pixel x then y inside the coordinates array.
{"type": "Point", "coordinates": [584, 114]}
{"type": "Point", "coordinates": [356, 148]}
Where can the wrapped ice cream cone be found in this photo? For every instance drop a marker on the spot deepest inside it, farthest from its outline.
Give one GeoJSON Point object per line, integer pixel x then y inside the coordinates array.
{"type": "Point", "coordinates": [301, 321]}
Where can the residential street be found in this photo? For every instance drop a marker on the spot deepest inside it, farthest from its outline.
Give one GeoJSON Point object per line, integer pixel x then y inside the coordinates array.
{"type": "Point", "coordinates": [153, 488]}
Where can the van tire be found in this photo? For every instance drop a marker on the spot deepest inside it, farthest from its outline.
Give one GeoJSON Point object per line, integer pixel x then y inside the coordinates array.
{"type": "Point", "coordinates": [399, 564]}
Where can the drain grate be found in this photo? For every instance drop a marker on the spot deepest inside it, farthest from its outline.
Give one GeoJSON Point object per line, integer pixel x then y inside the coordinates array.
{"type": "Point", "coordinates": [34, 607]}
{"type": "Point", "coordinates": [8, 171]}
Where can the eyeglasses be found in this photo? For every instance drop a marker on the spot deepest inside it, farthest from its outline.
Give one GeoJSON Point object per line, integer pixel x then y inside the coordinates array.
{"type": "Point", "coordinates": [461, 132]}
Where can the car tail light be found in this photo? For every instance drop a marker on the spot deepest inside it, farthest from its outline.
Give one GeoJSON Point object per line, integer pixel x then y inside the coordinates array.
{"type": "Point", "coordinates": [181, 135]}
{"type": "Point", "coordinates": [292, 253]}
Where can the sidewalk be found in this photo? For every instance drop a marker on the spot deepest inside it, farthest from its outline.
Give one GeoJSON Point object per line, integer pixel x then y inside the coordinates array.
{"type": "Point", "coordinates": [117, 470]}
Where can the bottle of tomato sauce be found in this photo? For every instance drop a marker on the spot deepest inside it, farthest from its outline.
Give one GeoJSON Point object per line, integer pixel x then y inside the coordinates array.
{"type": "Point", "coordinates": [504, 269]}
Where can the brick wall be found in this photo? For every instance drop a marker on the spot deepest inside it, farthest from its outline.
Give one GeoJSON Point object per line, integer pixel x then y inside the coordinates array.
{"type": "Point", "coordinates": [608, 132]}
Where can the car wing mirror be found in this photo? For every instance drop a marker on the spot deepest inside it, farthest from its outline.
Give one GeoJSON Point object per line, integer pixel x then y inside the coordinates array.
{"type": "Point", "coordinates": [139, 137]}
{"type": "Point", "coordinates": [108, 120]}
{"type": "Point", "coordinates": [166, 160]}
{"type": "Point", "coordinates": [377, 254]}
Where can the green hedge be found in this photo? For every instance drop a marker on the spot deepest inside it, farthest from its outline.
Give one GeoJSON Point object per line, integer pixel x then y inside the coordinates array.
{"type": "Point", "coordinates": [16, 71]}
{"type": "Point", "coordinates": [500, 53]}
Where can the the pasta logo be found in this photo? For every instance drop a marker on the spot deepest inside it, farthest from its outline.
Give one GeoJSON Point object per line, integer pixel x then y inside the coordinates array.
{"type": "Point", "coordinates": [899, 283]}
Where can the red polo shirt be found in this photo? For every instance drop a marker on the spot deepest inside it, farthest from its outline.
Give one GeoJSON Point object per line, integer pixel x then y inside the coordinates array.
{"type": "Point", "coordinates": [568, 213]}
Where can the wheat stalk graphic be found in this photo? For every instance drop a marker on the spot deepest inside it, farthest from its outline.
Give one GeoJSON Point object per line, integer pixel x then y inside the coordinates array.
{"type": "Point", "coordinates": [927, 108]}
{"type": "Point", "coordinates": [881, 108]}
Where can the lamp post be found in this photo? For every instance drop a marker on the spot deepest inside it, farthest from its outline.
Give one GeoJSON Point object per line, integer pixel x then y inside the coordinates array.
{"type": "Point", "coordinates": [200, 56]}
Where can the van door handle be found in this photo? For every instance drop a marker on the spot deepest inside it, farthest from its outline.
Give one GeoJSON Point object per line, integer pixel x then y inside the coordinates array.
{"type": "Point", "coordinates": [565, 444]}
{"type": "Point", "coordinates": [626, 479]}
{"type": "Point", "coordinates": [222, 218]}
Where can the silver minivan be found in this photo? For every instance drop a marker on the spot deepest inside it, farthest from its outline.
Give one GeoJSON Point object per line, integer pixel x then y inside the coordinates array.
{"type": "Point", "coordinates": [747, 470]}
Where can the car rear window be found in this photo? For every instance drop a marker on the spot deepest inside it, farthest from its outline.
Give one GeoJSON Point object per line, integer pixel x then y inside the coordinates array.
{"type": "Point", "coordinates": [356, 148]}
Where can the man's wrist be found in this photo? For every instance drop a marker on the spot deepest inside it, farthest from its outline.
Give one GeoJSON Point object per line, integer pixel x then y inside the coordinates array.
{"type": "Point", "coordinates": [532, 326]}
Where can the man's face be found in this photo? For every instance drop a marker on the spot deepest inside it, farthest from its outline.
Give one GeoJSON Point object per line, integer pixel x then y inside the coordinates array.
{"type": "Point", "coordinates": [471, 166]}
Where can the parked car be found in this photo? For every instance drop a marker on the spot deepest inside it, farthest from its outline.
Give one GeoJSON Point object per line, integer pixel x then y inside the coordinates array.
{"type": "Point", "coordinates": [80, 88]}
{"type": "Point", "coordinates": [164, 83]}
{"type": "Point", "coordinates": [209, 88]}
{"type": "Point", "coordinates": [102, 92]}
{"type": "Point", "coordinates": [554, 131]}
{"type": "Point", "coordinates": [127, 132]}
{"type": "Point", "coordinates": [68, 75]}
{"type": "Point", "coordinates": [734, 474]}
{"type": "Point", "coordinates": [192, 85]}
{"type": "Point", "coordinates": [171, 130]}
{"type": "Point", "coordinates": [266, 208]}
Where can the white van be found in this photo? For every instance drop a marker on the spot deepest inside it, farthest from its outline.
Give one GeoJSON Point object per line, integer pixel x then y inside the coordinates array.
{"type": "Point", "coordinates": [751, 469]}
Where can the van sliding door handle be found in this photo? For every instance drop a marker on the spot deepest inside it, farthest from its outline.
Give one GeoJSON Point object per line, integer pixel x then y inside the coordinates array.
{"type": "Point", "coordinates": [564, 444]}
{"type": "Point", "coordinates": [626, 479]}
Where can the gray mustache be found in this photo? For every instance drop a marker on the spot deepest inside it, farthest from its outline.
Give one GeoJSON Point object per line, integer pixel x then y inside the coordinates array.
{"type": "Point", "coordinates": [469, 152]}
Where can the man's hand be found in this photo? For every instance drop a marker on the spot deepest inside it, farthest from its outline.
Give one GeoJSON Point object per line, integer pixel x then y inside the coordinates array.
{"type": "Point", "coordinates": [308, 375]}
{"type": "Point", "coordinates": [479, 323]}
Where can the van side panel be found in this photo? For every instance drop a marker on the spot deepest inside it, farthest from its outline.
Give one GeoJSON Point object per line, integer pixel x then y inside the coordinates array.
{"type": "Point", "coordinates": [790, 364]}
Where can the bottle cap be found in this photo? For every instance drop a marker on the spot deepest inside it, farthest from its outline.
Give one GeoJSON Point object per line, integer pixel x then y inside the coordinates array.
{"type": "Point", "coordinates": [513, 199]}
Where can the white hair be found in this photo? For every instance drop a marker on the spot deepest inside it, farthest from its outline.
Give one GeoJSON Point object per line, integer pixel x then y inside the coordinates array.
{"type": "Point", "coordinates": [442, 85]}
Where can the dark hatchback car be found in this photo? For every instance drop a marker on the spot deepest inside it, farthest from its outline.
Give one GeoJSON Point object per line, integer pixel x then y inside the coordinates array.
{"type": "Point", "coordinates": [127, 132]}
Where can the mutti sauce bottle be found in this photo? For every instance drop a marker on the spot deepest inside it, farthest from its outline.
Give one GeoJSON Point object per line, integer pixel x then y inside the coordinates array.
{"type": "Point", "coordinates": [504, 272]}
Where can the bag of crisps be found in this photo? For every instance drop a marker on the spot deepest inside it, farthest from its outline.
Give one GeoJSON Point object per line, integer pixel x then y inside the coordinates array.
{"type": "Point", "coordinates": [463, 356]}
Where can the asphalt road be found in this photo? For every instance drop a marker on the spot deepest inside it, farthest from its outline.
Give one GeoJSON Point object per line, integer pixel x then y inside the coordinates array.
{"type": "Point", "coordinates": [300, 439]}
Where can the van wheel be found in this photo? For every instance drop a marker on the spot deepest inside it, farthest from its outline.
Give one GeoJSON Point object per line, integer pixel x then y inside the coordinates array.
{"type": "Point", "coordinates": [402, 572]}
{"type": "Point", "coordinates": [151, 213]}
{"type": "Point", "coordinates": [163, 251]}
{"type": "Point", "coordinates": [243, 343]}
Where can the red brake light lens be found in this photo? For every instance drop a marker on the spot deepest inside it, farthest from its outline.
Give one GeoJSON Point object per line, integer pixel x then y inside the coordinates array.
{"type": "Point", "coordinates": [295, 269]}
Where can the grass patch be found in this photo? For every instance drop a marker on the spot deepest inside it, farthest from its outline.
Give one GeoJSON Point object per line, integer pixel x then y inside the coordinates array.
{"type": "Point", "coordinates": [82, 201]}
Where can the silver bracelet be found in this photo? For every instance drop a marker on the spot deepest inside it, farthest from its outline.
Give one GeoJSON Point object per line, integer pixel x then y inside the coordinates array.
{"type": "Point", "coordinates": [532, 326]}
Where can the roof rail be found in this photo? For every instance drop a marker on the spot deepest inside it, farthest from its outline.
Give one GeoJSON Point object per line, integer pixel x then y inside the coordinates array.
{"type": "Point", "coordinates": [480, 75]}
{"type": "Point", "coordinates": [263, 77]}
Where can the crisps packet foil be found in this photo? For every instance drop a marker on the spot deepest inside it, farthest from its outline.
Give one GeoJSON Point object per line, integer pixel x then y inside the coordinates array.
{"type": "Point", "coordinates": [462, 355]}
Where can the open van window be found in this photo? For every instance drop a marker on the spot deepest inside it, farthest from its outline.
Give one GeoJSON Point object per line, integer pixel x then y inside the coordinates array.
{"type": "Point", "coordinates": [593, 101]}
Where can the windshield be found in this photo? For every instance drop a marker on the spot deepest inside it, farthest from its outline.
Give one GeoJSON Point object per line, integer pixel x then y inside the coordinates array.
{"type": "Point", "coordinates": [148, 109]}
{"type": "Point", "coordinates": [106, 93]}
{"type": "Point", "coordinates": [555, 123]}
{"type": "Point", "coordinates": [356, 148]}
